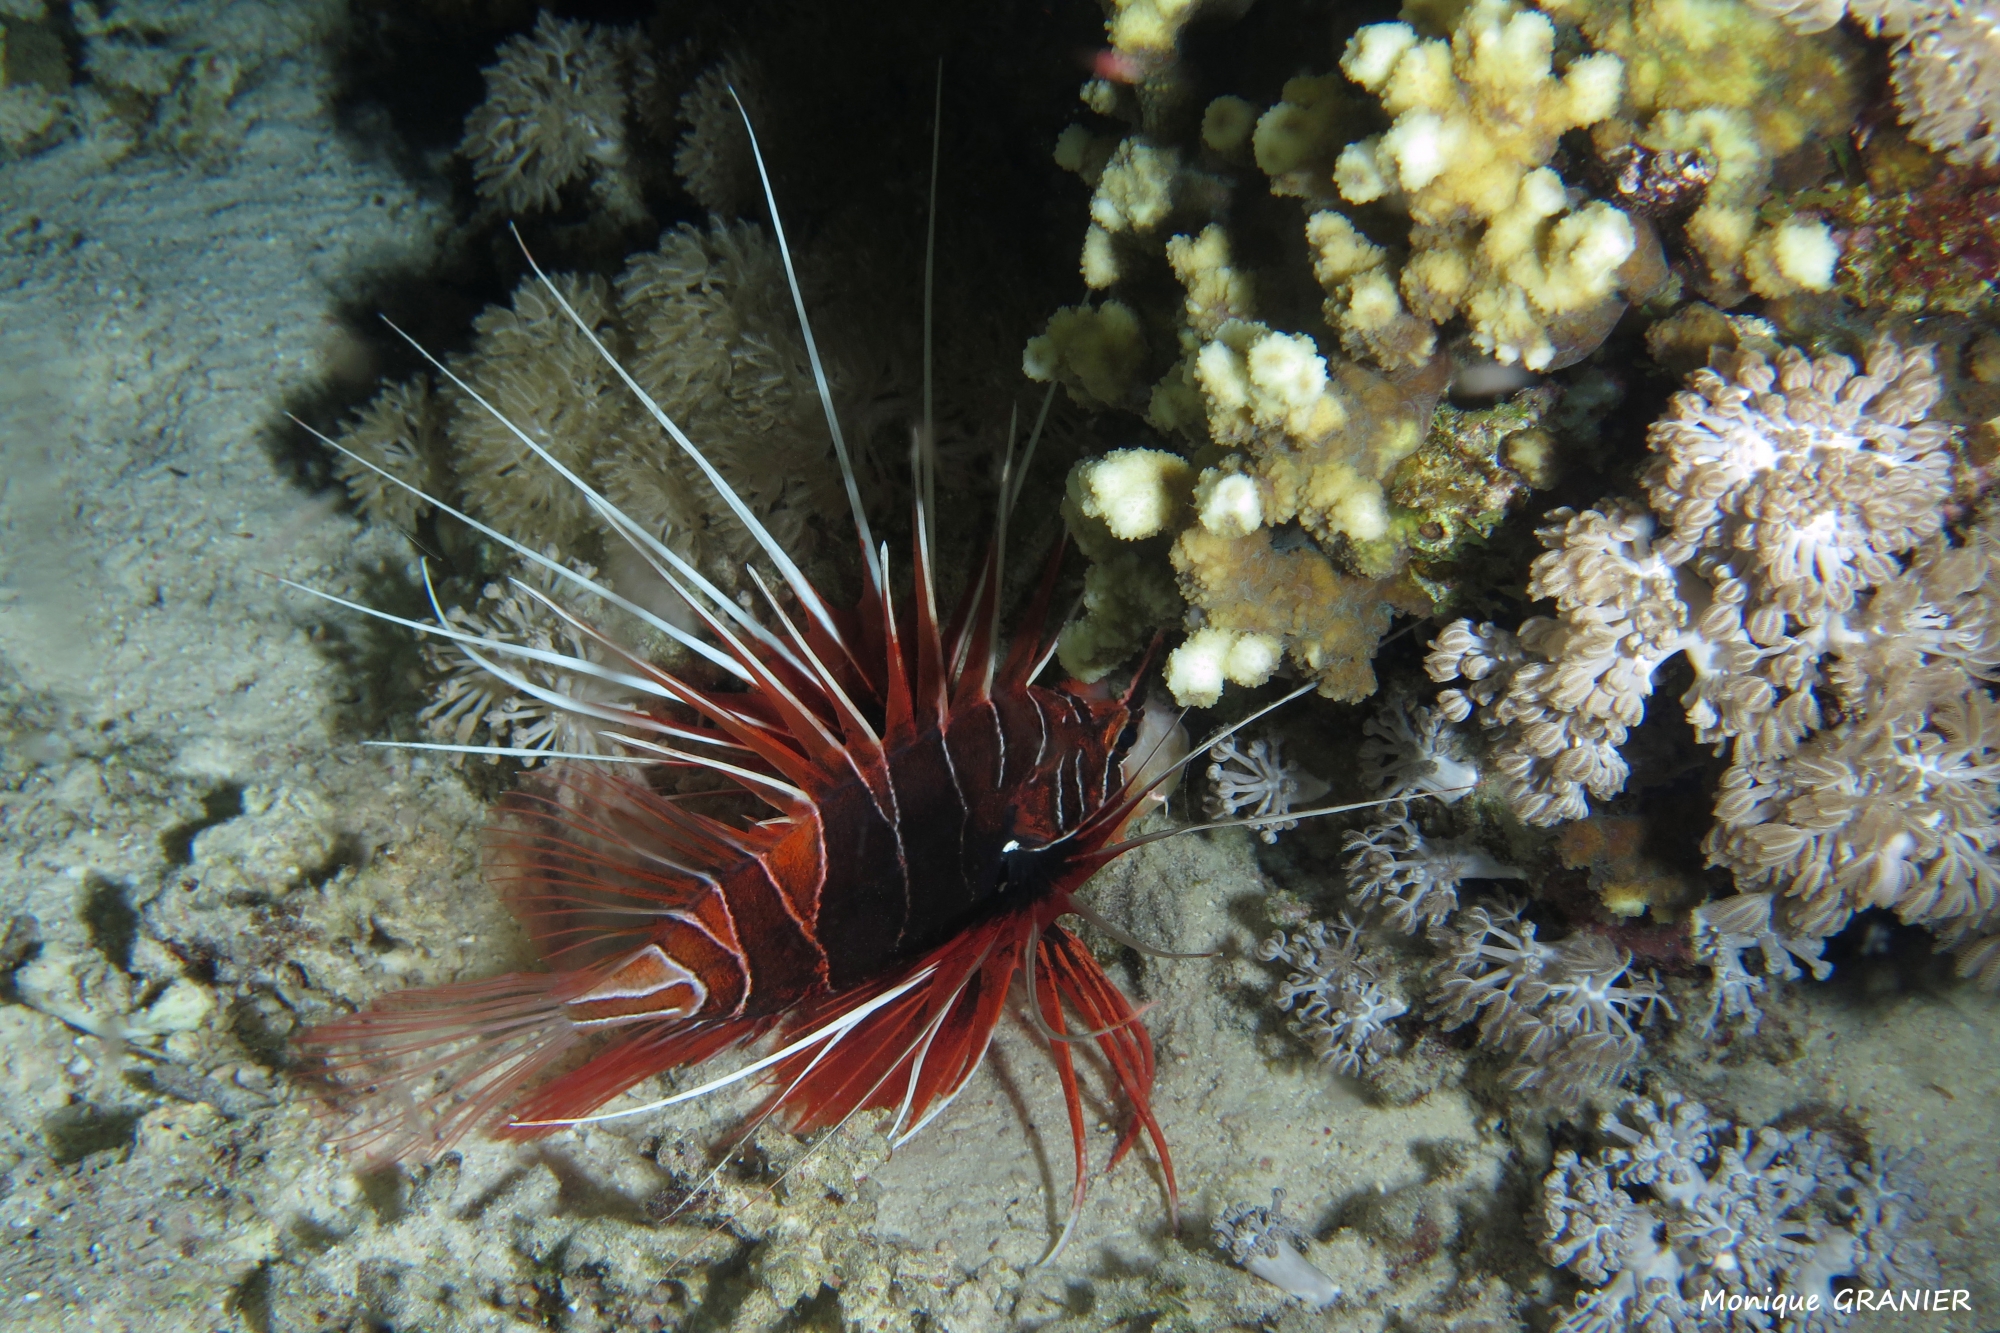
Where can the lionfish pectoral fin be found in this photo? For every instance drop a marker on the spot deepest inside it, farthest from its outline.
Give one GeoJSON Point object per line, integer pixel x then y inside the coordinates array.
{"type": "Point", "coordinates": [645, 1050]}
{"type": "Point", "coordinates": [910, 1055]}
{"type": "Point", "coordinates": [1069, 977]}
{"type": "Point", "coordinates": [416, 1071]}
{"type": "Point", "coordinates": [594, 865]}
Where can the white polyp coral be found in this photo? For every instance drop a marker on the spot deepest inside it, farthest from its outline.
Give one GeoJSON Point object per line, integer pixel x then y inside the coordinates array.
{"type": "Point", "coordinates": [1093, 351]}
{"type": "Point", "coordinates": [1410, 750]}
{"type": "Point", "coordinates": [1258, 379]}
{"type": "Point", "coordinates": [1255, 778]}
{"type": "Point", "coordinates": [1558, 1010]}
{"type": "Point", "coordinates": [1363, 301]}
{"type": "Point", "coordinates": [1197, 670]}
{"type": "Point", "coordinates": [1792, 552]}
{"type": "Point", "coordinates": [1797, 255]}
{"type": "Point", "coordinates": [716, 343]}
{"type": "Point", "coordinates": [1726, 930]}
{"type": "Point", "coordinates": [1687, 1224]}
{"type": "Point", "coordinates": [1268, 1246]}
{"type": "Point", "coordinates": [1228, 504]}
{"type": "Point", "coordinates": [1497, 237]}
{"type": "Point", "coordinates": [1335, 995]}
{"type": "Point", "coordinates": [1414, 878]}
{"type": "Point", "coordinates": [1136, 190]}
{"type": "Point", "coordinates": [713, 158]}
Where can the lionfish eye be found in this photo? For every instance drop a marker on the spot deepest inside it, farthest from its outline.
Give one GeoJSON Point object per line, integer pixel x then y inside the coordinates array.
{"type": "Point", "coordinates": [1020, 864]}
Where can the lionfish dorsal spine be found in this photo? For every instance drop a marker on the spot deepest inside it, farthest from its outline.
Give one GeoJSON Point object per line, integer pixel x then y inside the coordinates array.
{"type": "Point", "coordinates": [861, 528]}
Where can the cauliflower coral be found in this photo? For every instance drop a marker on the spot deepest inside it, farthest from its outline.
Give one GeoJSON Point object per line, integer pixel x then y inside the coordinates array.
{"type": "Point", "coordinates": [1496, 234]}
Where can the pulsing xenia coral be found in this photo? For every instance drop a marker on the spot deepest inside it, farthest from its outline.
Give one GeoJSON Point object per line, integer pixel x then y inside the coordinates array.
{"type": "Point", "coordinates": [1793, 550]}
{"type": "Point", "coordinates": [1410, 750]}
{"type": "Point", "coordinates": [1336, 995]}
{"type": "Point", "coordinates": [1558, 1010]}
{"type": "Point", "coordinates": [1268, 1246]}
{"type": "Point", "coordinates": [556, 113]}
{"type": "Point", "coordinates": [1256, 777]}
{"type": "Point", "coordinates": [1726, 930]}
{"type": "Point", "coordinates": [1414, 877]}
{"type": "Point", "coordinates": [744, 383]}
{"type": "Point", "coordinates": [1689, 1224]}
{"type": "Point", "coordinates": [1945, 67]}
{"type": "Point", "coordinates": [508, 705]}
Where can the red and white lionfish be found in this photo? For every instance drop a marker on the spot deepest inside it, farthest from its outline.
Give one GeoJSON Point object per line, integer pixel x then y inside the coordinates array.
{"type": "Point", "coordinates": [933, 812]}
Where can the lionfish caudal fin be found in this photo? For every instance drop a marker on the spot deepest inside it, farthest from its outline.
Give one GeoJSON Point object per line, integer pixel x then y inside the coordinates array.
{"type": "Point", "coordinates": [597, 864]}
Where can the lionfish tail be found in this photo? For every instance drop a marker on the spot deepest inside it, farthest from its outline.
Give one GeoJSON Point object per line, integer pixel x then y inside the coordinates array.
{"type": "Point", "coordinates": [408, 1077]}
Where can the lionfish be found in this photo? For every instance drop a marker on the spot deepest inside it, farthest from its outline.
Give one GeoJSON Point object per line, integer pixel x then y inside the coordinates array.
{"type": "Point", "coordinates": [932, 813]}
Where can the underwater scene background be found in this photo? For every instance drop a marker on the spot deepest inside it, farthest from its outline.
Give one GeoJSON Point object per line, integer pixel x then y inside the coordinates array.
{"type": "Point", "coordinates": [1594, 403]}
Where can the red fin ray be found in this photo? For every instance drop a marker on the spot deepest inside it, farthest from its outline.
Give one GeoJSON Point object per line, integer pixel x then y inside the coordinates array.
{"type": "Point", "coordinates": [914, 1054]}
{"type": "Point", "coordinates": [1123, 1039]}
{"type": "Point", "coordinates": [911, 1052]}
{"type": "Point", "coordinates": [899, 721]}
{"type": "Point", "coordinates": [638, 1055]}
{"type": "Point", "coordinates": [594, 863]}
{"type": "Point", "coordinates": [1027, 649]}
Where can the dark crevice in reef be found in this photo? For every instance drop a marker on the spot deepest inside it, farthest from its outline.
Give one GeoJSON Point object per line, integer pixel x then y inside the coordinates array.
{"type": "Point", "coordinates": [263, 1023]}
{"type": "Point", "coordinates": [20, 942]}
{"type": "Point", "coordinates": [80, 1130]}
{"type": "Point", "coordinates": [218, 807]}
{"type": "Point", "coordinates": [252, 1299]}
{"type": "Point", "coordinates": [111, 920]}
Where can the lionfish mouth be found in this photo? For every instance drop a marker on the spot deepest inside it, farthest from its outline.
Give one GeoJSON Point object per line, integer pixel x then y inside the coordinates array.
{"type": "Point", "coordinates": [930, 813]}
